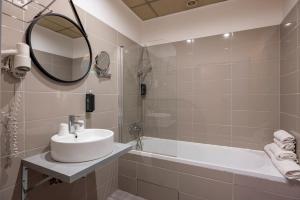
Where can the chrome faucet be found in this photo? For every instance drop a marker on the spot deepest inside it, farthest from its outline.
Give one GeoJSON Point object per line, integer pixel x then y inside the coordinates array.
{"type": "Point", "coordinates": [72, 125]}
{"type": "Point", "coordinates": [136, 130]}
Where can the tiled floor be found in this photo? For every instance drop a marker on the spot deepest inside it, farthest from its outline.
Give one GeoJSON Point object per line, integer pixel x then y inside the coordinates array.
{"type": "Point", "coordinates": [121, 195]}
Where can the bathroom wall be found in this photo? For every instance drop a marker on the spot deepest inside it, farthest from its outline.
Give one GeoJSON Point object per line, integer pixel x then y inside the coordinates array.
{"type": "Point", "coordinates": [290, 74]}
{"type": "Point", "coordinates": [46, 103]}
{"type": "Point", "coordinates": [216, 90]}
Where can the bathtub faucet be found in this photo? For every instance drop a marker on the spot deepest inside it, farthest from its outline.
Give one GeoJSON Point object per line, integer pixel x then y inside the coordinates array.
{"type": "Point", "coordinates": [136, 130]}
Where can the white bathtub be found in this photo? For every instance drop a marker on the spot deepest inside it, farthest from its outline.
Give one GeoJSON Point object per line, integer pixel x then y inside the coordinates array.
{"type": "Point", "coordinates": [235, 160]}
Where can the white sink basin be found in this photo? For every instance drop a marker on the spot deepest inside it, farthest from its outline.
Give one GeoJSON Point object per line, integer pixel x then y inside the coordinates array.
{"type": "Point", "coordinates": [89, 145]}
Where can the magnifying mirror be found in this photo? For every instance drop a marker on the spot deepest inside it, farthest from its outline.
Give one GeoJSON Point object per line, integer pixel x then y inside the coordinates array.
{"type": "Point", "coordinates": [102, 63]}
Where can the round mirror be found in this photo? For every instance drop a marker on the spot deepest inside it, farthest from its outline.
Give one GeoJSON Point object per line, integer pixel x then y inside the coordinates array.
{"type": "Point", "coordinates": [59, 48]}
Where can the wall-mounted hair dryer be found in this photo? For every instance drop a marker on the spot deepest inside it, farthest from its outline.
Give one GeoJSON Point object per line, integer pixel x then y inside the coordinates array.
{"type": "Point", "coordinates": [17, 61]}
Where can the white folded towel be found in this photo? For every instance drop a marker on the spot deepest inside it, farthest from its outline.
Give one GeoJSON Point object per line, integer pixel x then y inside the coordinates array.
{"type": "Point", "coordinates": [288, 168]}
{"type": "Point", "coordinates": [283, 136]}
{"type": "Point", "coordinates": [281, 154]}
{"type": "Point", "coordinates": [289, 146]}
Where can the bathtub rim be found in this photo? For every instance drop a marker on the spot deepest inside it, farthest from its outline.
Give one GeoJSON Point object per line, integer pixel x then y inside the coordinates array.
{"type": "Point", "coordinates": [236, 171]}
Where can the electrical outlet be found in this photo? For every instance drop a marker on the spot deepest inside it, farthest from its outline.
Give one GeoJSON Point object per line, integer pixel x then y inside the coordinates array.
{"type": "Point", "coordinates": [20, 3]}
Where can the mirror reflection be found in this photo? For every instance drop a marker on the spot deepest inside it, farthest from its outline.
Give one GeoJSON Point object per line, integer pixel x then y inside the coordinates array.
{"type": "Point", "coordinates": [59, 48]}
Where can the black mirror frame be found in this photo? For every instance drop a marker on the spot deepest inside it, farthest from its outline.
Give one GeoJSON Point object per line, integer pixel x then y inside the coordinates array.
{"type": "Point", "coordinates": [34, 59]}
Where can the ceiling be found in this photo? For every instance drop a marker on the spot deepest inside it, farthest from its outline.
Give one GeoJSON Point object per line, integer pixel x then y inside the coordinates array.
{"type": "Point", "coordinates": [148, 9]}
{"type": "Point", "coordinates": [60, 25]}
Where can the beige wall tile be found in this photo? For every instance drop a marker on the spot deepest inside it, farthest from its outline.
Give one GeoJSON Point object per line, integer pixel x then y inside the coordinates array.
{"type": "Point", "coordinates": [36, 81]}
{"type": "Point", "coordinates": [289, 83]}
{"type": "Point", "coordinates": [288, 122]}
{"type": "Point", "coordinates": [9, 37]}
{"type": "Point", "coordinates": [157, 176]}
{"type": "Point", "coordinates": [201, 187]}
{"type": "Point", "coordinates": [39, 132]}
{"type": "Point", "coordinates": [154, 192]}
{"type": "Point", "coordinates": [183, 196]}
{"type": "Point", "coordinates": [106, 103]}
{"type": "Point", "coordinates": [212, 72]}
{"type": "Point", "coordinates": [289, 62]}
{"type": "Point", "coordinates": [103, 86]}
{"type": "Point", "coordinates": [258, 35]}
{"type": "Point", "coordinates": [9, 83]}
{"type": "Point", "coordinates": [290, 189]}
{"type": "Point", "coordinates": [150, 161]}
{"type": "Point", "coordinates": [106, 174]}
{"type": "Point", "coordinates": [255, 102]}
{"type": "Point", "coordinates": [10, 22]}
{"type": "Point", "coordinates": [205, 173]}
{"type": "Point", "coordinates": [290, 18]}
{"type": "Point", "coordinates": [185, 131]}
{"type": "Point", "coordinates": [255, 51]}
{"type": "Point", "coordinates": [263, 119]}
{"type": "Point", "coordinates": [212, 86]}
{"type": "Point", "coordinates": [213, 49]}
{"type": "Point", "coordinates": [104, 192]}
{"type": "Point", "coordinates": [107, 33]}
{"type": "Point", "coordinates": [127, 168]}
{"type": "Point", "coordinates": [9, 171]}
{"type": "Point", "coordinates": [289, 104]}
{"type": "Point", "coordinates": [256, 44]}
{"type": "Point", "coordinates": [106, 120]}
{"type": "Point", "coordinates": [91, 187]}
{"type": "Point", "coordinates": [253, 138]}
{"type": "Point", "coordinates": [288, 44]}
{"type": "Point", "coordinates": [244, 193]}
{"type": "Point", "coordinates": [13, 193]}
{"type": "Point", "coordinates": [256, 85]}
{"type": "Point", "coordinates": [58, 104]}
{"type": "Point", "coordinates": [256, 69]}
{"type": "Point", "coordinates": [213, 116]}
{"type": "Point", "coordinates": [38, 150]}
{"type": "Point", "coordinates": [128, 184]}
{"type": "Point", "coordinates": [212, 134]}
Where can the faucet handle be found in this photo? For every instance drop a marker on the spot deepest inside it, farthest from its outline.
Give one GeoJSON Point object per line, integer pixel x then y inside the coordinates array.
{"type": "Point", "coordinates": [79, 126]}
{"type": "Point", "coordinates": [72, 117]}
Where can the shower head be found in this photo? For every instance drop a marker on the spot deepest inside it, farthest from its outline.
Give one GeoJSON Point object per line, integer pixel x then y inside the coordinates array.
{"type": "Point", "coordinates": [145, 65]}
{"type": "Point", "coordinates": [144, 72]}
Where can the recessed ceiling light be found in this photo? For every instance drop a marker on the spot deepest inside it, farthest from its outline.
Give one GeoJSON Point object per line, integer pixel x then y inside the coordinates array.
{"type": "Point", "coordinates": [226, 35]}
{"type": "Point", "coordinates": [190, 41]}
{"type": "Point", "coordinates": [191, 3]}
{"type": "Point", "coordinates": [288, 24]}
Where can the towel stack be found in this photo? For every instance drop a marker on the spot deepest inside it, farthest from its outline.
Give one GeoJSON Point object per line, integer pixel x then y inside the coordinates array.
{"type": "Point", "coordinates": [282, 154]}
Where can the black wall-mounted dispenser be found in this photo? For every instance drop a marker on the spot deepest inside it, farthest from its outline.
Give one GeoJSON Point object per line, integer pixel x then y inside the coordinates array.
{"type": "Point", "coordinates": [90, 102]}
{"type": "Point", "coordinates": [143, 89]}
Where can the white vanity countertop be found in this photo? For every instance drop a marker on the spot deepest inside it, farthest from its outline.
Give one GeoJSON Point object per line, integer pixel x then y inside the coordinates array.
{"type": "Point", "coordinates": [70, 172]}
